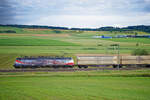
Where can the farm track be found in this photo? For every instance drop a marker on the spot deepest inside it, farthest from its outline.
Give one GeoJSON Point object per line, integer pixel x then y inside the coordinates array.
{"type": "Point", "coordinates": [66, 70]}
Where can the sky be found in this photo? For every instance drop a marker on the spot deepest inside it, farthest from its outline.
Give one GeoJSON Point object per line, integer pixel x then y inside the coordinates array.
{"type": "Point", "coordinates": [75, 13]}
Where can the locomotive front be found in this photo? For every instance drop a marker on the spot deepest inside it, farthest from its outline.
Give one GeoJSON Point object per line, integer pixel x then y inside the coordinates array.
{"type": "Point", "coordinates": [35, 62]}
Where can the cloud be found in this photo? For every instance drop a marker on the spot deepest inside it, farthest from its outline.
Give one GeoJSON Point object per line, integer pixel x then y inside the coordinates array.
{"type": "Point", "coordinates": [6, 12]}
{"type": "Point", "coordinates": [92, 20]}
{"type": "Point", "coordinates": [81, 13]}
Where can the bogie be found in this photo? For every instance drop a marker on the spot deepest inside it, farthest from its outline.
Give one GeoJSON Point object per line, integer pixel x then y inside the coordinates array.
{"type": "Point", "coordinates": [82, 66]}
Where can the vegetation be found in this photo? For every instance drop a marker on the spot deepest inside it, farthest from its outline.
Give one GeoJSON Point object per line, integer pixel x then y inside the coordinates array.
{"type": "Point", "coordinates": [94, 85]}
{"type": "Point", "coordinates": [35, 42]}
{"type": "Point", "coordinates": [21, 41]}
{"type": "Point", "coordinates": [108, 28]}
{"type": "Point", "coordinates": [99, 73]}
{"type": "Point", "coordinates": [139, 52]}
{"type": "Point", "coordinates": [47, 42]}
{"type": "Point", "coordinates": [130, 40]}
{"type": "Point", "coordinates": [8, 31]}
{"type": "Point", "coordinates": [75, 86]}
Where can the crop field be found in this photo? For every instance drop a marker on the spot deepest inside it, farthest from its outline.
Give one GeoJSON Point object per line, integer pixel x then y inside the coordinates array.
{"type": "Point", "coordinates": [41, 42]}
{"type": "Point", "coordinates": [94, 85]}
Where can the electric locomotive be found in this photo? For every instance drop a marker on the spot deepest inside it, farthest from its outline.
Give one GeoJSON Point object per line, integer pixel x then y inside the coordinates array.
{"type": "Point", "coordinates": [36, 62]}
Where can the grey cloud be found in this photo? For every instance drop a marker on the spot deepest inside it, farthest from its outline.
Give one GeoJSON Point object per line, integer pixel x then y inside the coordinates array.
{"type": "Point", "coordinates": [6, 15]}
{"type": "Point", "coordinates": [21, 11]}
{"type": "Point", "coordinates": [80, 7]}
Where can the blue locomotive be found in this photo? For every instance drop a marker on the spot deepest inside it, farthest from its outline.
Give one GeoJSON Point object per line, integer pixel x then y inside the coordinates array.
{"type": "Point", "coordinates": [37, 62]}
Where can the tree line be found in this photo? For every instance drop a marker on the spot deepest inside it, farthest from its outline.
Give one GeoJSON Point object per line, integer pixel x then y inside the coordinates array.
{"type": "Point", "coordinates": [143, 28]}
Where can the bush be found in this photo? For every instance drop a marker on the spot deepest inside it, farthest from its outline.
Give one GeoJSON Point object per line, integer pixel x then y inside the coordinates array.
{"type": "Point", "coordinates": [139, 52]}
{"type": "Point", "coordinates": [57, 31]}
{"type": "Point", "coordinates": [8, 31]}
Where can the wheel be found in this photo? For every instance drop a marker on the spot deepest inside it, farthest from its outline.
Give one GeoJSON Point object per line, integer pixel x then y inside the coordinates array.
{"type": "Point", "coordinates": [79, 66]}
{"type": "Point", "coordinates": [120, 66]}
{"type": "Point", "coordinates": [147, 66]}
{"type": "Point", "coordinates": [85, 66]}
{"type": "Point", "coordinates": [114, 66]}
{"type": "Point", "coordinates": [70, 66]}
{"type": "Point", "coordinates": [17, 67]}
{"type": "Point", "coordinates": [56, 67]}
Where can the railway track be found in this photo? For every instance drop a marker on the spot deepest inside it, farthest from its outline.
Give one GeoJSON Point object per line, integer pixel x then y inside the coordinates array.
{"type": "Point", "coordinates": [66, 70]}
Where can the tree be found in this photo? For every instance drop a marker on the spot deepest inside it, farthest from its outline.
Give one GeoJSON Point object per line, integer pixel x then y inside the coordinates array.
{"type": "Point", "coordinates": [139, 52]}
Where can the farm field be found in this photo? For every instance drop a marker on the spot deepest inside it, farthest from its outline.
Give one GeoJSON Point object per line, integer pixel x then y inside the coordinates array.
{"type": "Point", "coordinates": [94, 85]}
{"type": "Point", "coordinates": [47, 42]}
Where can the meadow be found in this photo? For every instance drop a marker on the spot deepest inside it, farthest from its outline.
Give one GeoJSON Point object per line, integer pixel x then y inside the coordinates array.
{"type": "Point", "coordinates": [94, 85]}
{"type": "Point", "coordinates": [47, 42]}
{"type": "Point", "coordinates": [132, 40]}
{"type": "Point", "coordinates": [30, 41]}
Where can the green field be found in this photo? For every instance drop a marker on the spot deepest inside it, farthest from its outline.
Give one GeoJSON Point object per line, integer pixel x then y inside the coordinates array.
{"type": "Point", "coordinates": [47, 42]}
{"type": "Point", "coordinates": [132, 40]}
{"type": "Point", "coordinates": [94, 85]}
{"type": "Point", "coordinates": [30, 41]}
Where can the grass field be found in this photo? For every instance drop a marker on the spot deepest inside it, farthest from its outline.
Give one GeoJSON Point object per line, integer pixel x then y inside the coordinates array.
{"type": "Point", "coordinates": [35, 42]}
{"type": "Point", "coordinates": [132, 40]}
{"type": "Point", "coordinates": [94, 85]}
{"type": "Point", "coordinates": [30, 41]}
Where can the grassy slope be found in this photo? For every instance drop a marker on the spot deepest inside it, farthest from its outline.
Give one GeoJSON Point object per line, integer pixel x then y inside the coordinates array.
{"type": "Point", "coordinates": [76, 86]}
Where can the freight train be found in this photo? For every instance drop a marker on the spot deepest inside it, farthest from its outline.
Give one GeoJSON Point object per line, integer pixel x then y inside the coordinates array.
{"type": "Point", "coordinates": [82, 61]}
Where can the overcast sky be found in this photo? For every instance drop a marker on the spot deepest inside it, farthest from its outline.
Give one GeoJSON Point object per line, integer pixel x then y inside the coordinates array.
{"type": "Point", "coordinates": [75, 13]}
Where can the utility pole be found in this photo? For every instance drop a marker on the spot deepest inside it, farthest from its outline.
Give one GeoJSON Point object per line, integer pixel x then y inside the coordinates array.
{"type": "Point", "coordinates": [118, 56]}
{"type": "Point", "coordinates": [117, 47]}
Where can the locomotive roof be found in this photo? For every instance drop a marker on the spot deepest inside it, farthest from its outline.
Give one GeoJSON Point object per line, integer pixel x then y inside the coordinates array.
{"type": "Point", "coordinates": [44, 58]}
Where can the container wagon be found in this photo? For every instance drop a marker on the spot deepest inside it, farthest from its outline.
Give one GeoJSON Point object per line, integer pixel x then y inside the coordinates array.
{"type": "Point", "coordinates": [115, 61]}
